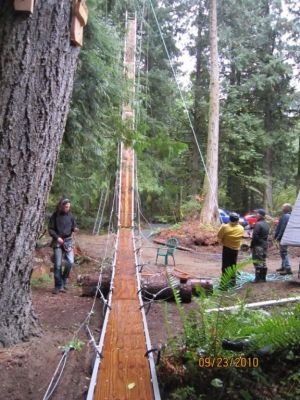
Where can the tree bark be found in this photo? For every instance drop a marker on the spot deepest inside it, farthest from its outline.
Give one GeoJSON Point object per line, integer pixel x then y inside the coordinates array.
{"type": "Point", "coordinates": [200, 88]}
{"type": "Point", "coordinates": [209, 212]}
{"type": "Point", "coordinates": [37, 65]}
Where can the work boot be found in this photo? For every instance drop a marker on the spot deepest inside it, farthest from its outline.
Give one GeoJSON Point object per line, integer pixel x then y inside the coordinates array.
{"type": "Point", "coordinates": [286, 272]}
{"type": "Point", "coordinates": [280, 269]}
{"type": "Point", "coordinates": [263, 274]}
{"type": "Point", "coordinates": [55, 291]}
{"type": "Point", "coordinates": [257, 275]}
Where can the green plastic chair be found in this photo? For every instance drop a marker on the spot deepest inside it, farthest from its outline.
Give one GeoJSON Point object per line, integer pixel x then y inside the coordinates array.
{"type": "Point", "coordinates": [167, 251]}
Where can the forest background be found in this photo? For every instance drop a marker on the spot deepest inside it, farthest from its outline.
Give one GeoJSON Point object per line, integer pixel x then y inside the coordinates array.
{"type": "Point", "coordinates": [259, 153]}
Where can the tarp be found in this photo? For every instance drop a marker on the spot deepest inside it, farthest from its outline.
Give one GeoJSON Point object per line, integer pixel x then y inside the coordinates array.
{"type": "Point", "coordinates": [291, 236]}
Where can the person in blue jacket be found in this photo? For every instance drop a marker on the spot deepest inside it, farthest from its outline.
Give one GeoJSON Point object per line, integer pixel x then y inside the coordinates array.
{"type": "Point", "coordinates": [283, 221]}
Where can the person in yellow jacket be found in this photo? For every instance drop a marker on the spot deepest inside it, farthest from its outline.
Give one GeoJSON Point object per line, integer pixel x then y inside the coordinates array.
{"type": "Point", "coordinates": [231, 236]}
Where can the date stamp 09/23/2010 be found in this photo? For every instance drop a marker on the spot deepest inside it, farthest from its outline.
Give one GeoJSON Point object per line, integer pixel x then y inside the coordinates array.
{"type": "Point", "coordinates": [227, 362]}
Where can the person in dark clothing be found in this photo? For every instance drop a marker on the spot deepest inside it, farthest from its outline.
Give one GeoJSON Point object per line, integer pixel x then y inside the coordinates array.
{"type": "Point", "coordinates": [61, 227]}
{"type": "Point", "coordinates": [259, 246]}
{"type": "Point", "coordinates": [283, 221]}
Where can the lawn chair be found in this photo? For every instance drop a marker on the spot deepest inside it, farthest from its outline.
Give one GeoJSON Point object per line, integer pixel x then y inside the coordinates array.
{"type": "Point", "coordinates": [167, 251]}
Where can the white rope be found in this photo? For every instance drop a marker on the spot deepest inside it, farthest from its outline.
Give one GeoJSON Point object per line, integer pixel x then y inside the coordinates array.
{"type": "Point", "coordinates": [138, 86]}
{"type": "Point", "coordinates": [63, 360]}
{"type": "Point", "coordinates": [86, 321]}
{"type": "Point", "coordinates": [183, 101]}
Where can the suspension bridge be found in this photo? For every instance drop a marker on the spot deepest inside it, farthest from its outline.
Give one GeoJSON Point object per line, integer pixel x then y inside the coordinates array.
{"type": "Point", "coordinates": [124, 366]}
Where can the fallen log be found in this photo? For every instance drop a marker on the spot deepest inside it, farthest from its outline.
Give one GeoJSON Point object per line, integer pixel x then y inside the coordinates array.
{"type": "Point", "coordinates": [163, 243]}
{"type": "Point", "coordinates": [89, 283]}
{"type": "Point", "coordinates": [157, 286]}
{"type": "Point", "coordinates": [153, 285]}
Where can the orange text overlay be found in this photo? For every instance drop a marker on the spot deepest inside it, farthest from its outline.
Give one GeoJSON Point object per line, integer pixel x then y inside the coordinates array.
{"type": "Point", "coordinates": [227, 362]}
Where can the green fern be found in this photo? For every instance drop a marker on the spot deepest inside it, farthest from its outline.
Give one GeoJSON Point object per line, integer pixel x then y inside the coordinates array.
{"type": "Point", "coordinates": [204, 331]}
{"type": "Point", "coordinates": [278, 331]}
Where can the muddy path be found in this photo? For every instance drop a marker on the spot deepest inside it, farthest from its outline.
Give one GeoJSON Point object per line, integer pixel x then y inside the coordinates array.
{"type": "Point", "coordinates": [26, 369]}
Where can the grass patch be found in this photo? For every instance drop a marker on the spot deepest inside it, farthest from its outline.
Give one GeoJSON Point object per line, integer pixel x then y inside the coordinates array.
{"type": "Point", "coordinates": [41, 281]}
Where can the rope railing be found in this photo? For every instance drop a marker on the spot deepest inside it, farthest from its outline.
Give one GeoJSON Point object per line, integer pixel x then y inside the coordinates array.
{"type": "Point", "coordinates": [55, 379]}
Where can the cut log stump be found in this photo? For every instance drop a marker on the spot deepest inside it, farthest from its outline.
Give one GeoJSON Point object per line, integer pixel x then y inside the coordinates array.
{"type": "Point", "coordinates": [89, 284]}
{"type": "Point", "coordinates": [153, 286]}
{"type": "Point", "coordinates": [157, 286]}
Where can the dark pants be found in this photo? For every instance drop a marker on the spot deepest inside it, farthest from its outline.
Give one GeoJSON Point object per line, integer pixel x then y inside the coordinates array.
{"type": "Point", "coordinates": [259, 255]}
{"type": "Point", "coordinates": [61, 276]}
{"type": "Point", "coordinates": [229, 259]}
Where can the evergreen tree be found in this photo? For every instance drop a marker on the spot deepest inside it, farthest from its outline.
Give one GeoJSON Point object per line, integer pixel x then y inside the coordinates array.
{"type": "Point", "coordinates": [209, 212]}
{"type": "Point", "coordinates": [37, 64]}
{"type": "Point", "coordinates": [256, 121]}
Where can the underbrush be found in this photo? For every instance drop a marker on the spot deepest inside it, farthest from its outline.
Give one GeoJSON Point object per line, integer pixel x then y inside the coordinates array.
{"type": "Point", "coordinates": [244, 354]}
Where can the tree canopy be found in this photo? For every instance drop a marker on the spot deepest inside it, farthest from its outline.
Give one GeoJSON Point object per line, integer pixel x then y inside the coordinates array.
{"type": "Point", "coordinates": [259, 107]}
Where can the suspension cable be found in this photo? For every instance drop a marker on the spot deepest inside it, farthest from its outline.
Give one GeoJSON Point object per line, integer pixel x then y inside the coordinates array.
{"type": "Point", "coordinates": [57, 374]}
{"type": "Point", "coordinates": [137, 92]}
{"type": "Point", "coordinates": [61, 365]}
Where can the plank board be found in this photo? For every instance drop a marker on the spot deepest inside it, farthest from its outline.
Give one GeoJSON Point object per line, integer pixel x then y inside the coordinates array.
{"type": "Point", "coordinates": [24, 5]}
{"type": "Point", "coordinates": [124, 372]}
{"type": "Point", "coordinates": [124, 364]}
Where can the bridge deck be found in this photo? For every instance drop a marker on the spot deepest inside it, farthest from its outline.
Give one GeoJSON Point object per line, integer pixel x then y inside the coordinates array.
{"type": "Point", "coordinates": [124, 370]}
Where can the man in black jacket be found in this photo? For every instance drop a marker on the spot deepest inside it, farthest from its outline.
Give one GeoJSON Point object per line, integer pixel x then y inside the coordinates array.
{"type": "Point", "coordinates": [259, 246]}
{"type": "Point", "coordinates": [61, 227]}
{"type": "Point", "coordinates": [284, 219]}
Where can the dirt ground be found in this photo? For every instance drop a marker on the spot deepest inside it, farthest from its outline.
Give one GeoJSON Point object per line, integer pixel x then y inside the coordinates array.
{"type": "Point", "coordinates": [27, 368]}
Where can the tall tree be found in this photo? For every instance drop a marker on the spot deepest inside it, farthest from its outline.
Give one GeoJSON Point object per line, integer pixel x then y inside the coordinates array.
{"type": "Point", "coordinates": [200, 81]}
{"type": "Point", "coordinates": [89, 144]}
{"type": "Point", "coordinates": [37, 64]}
{"type": "Point", "coordinates": [256, 116]}
{"type": "Point", "coordinates": [209, 211]}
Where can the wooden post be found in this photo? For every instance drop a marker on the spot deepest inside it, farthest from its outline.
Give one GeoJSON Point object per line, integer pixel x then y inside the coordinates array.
{"type": "Point", "coordinates": [24, 5]}
{"type": "Point", "coordinates": [79, 20]}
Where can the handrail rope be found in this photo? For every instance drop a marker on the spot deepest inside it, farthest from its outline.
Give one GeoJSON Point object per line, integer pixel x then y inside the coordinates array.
{"type": "Point", "coordinates": [137, 92]}
{"type": "Point", "coordinates": [105, 251]}
{"type": "Point", "coordinates": [184, 102]}
{"type": "Point", "coordinates": [136, 187]}
{"type": "Point", "coordinates": [86, 321]}
{"type": "Point", "coordinates": [140, 233]}
{"type": "Point", "coordinates": [98, 212]}
{"type": "Point", "coordinates": [102, 211]}
{"type": "Point", "coordinates": [92, 340]}
{"type": "Point", "coordinates": [145, 219]}
{"type": "Point", "coordinates": [116, 199]}
{"type": "Point", "coordinates": [146, 330]}
{"type": "Point", "coordinates": [52, 386]}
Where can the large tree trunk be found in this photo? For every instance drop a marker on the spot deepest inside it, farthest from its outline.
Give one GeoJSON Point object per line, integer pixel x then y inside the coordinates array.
{"type": "Point", "coordinates": [209, 212]}
{"type": "Point", "coordinates": [200, 95]}
{"type": "Point", "coordinates": [37, 65]}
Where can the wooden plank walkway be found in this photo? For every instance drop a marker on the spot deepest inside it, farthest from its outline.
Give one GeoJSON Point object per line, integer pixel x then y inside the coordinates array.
{"type": "Point", "coordinates": [124, 372]}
